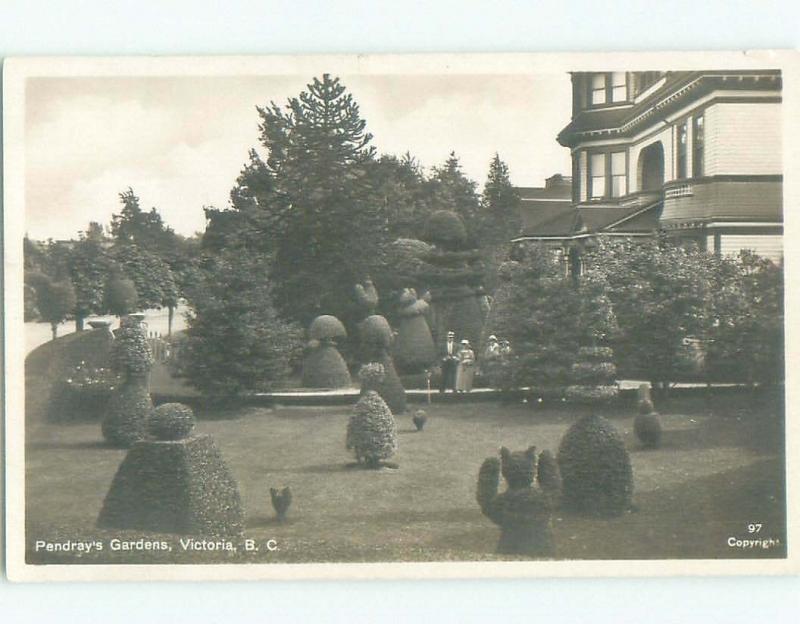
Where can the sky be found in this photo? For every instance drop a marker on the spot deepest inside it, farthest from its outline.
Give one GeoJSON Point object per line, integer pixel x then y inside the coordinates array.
{"type": "Point", "coordinates": [180, 142]}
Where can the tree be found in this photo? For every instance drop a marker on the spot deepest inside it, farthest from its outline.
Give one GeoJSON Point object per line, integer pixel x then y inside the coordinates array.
{"type": "Point", "coordinates": [236, 341]}
{"type": "Point", "coordinates": [144, 229]}
{"type": "Point", "coordinates": [453, 191]}
{"type": "Point", "coordinates": [120, 296]}
{"type": "Point", "coordinates": [403, 193]}
{"type": "Point", "coordinates": [152, 276]}
{"type": "Point", "coordinates": [56, 301]}
{"type": "Point", "coordinates": [88, 265]}
{"type": "Point", "coordinates": [500, 205]}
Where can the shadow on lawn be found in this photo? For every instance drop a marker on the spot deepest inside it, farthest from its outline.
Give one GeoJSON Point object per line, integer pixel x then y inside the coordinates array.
{"type": "Point", "coordinates": [96, 445]}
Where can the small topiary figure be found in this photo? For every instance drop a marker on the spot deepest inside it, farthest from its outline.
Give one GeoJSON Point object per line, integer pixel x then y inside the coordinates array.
{"type": "Point", "coordinates": [593, 376]}
{"type": "Point", "coordinates": [130, 403]}
{"type": "Point", "coordinates": [548, 476]}
{"type": "Point", "coordinates": [376, 341]}
{"type": "Point", "coordinates": [523, 511]}
{"type": "Point", "coordinates": [371, 430]}
{"type": "Point", "coordinates": [647, 425]}
{"type": "Point", "coordinates": [324, 366]}
{"type": "Point", "coordinates": [414, 350]}
{"type": "Point", "coordinates": [177, 483]}
{"type": "Point", "coordinates": [596, 473]}
{"type": "Point", "coordinates": [171, 421]}
{"type": "Point", "coordinates": [281, 499]}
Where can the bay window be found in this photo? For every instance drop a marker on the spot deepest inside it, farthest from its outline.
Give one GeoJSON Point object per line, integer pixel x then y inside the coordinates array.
{"type": "Point", "coordinates": [698, 144]}
{"type": "Point", "coordinates": [608, 175]}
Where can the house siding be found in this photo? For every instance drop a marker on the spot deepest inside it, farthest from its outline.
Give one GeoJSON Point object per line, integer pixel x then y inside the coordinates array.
{"type": "Point", "coordinates": [743, 138]}
{"type": "Point", "coordinates": [766, 245]}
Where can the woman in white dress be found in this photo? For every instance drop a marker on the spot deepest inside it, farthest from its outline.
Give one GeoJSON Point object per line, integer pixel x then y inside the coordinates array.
{"type": "Point", "coordinates": [466, 367]}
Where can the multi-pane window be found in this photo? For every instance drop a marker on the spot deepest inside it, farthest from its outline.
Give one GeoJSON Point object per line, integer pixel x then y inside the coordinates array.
{"type": "Point", "coordinates": [597, 176]}
{"type": "Point", "coordinates": [598, 89]}
{"type": "Point", "coordinates": [683, 146]}
{"type": "Point", "coordinates": [619, 181]}
{"type": "Point", "coordinates": [698, 141]}
{"type": "Point", "coordinates": [619, 88]}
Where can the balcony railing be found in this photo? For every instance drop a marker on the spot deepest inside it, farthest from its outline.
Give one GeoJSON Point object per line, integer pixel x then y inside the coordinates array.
{"type": "Point", "coordinates": [678, 190]}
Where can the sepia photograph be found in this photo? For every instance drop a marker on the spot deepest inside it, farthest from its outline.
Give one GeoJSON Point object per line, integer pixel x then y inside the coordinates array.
{"type": "Point", "coordinates": [491, 315]}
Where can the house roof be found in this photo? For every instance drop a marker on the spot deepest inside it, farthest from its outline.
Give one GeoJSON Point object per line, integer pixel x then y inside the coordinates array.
{"type": "Point", "coordinates": [572, 221]}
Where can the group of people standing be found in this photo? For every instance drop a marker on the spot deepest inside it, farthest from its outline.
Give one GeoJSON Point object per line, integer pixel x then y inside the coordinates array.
{"type": "Point", "coordinates": [459, 363]}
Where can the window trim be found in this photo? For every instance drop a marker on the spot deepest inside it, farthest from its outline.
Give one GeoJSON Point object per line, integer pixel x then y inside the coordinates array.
{"type": "Point", "coordinates": [682, 158]}
{"type": "Point", "coordinates": [608, 177]}
{"type": "Point", "coordinates": [608, 92]}
{"type": "Point", "coordinates": [698, 171]}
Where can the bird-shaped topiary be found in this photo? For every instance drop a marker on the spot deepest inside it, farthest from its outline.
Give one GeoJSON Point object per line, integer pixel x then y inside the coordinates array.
{"type": "Point", "coordinates": [596, 473]}
{"type": "Point", "coordinates": [414, 350]}
{"type": "Point", "coordinates": [367, 297]}
{"type": "Point", "coordinates": [281, 499]}
{"type": "Point", "coordinates": [548, 476]}
{"type": "Point", "coordinates": [376, 340]}
{"type": "Point", "coordinates": [419, 419]}
{"type": "Point", "coordinates": [371, 430]}
{"type": "Point", "coordinates": [647, 425]}
{"type": "Point", "coordinates": [523, 511]}
{"type": "Point", "coordinates": [324, 367]}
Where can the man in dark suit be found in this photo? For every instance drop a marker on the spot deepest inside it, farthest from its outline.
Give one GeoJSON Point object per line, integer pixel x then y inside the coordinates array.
{"type": "Point", "coordinates": [449, 362]}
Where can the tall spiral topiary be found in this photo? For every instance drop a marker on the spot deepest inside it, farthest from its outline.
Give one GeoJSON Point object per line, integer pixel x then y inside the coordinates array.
{"type": "Point", "coordinates": [414, 350]}
{"type": "Point", "coordinates": [596, 473]}
{"type": "Point", "coordinates": [371, 430]}
{"type": "Point", "coordinates": [523, 511]}
{"type": "Point", "coordinates": [130, 403]}
{"type": "Point", "coordinates": [324, 367]}
{"type": "Point", "coordinates": [376, 341]}
{"type": "Point", "coordinates": [593, 376]}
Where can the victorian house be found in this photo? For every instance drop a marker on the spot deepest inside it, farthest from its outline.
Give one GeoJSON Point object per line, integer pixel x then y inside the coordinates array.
{"type": "Point", "coordinates": [696, 155]}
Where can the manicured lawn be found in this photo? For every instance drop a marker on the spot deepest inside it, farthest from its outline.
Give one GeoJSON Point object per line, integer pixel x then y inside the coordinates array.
{"type": "Point", "coordinates": [720, 468]}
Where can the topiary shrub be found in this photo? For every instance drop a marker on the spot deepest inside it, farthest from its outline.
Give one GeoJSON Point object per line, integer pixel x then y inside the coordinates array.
{"type": "Point", "coordinates": [324, 367]}
{"type": "Point", "coordinates": [596, 473]}
{"type": "Point", "coordinates": [593, 376]}
{"type": "Point", "coordinates": [523, 511]}
{"type": "Point", "coordinates": [548, 475]}
{"type": "Point", "coordinates": [326, 327]}
{"type": "Point", "coordinates": [647, 428]}
{"type": "Point", "coordinates": [130, 353]}
{"type": "Point", "coordinates": [446, 229]}
{"type": "Point", "coordinates": [414, 350]}
{"type": "Point", "coordinates": [371, 430]}
{"type": "Point", "coordinates": [376, 340]}
{"type": "Point", "coordinates": [177, 486]}
{"type": "Point", "coordinates": [171, 421]}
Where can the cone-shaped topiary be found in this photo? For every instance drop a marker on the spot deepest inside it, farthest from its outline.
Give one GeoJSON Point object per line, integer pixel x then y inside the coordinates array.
{"type": "Point", "coordinates": [130, 353]}
{"type": "Point", "coordinates": [376, 340]}
{"type": "Point", "coordinates": [523, 511]}
{"type": "Point", "coordinates": [371, 431]}
{"type": "Point", "coordinates": [548, 476]}
{"type": "Point", "coordinates": [324, 367]}
{"type": "Point", "coordinates": [178, 486]}
{"type": "Point", "coordinates": [596, 473]}
{"type": "Point", "coordinates": [593, 376]}
{"type": "Point", "coordinates": [171, 421]}
{"type": "Point", "coordinates": [414, 350]}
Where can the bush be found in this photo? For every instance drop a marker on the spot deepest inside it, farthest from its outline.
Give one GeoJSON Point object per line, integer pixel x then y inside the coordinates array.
{"type": "Point", "coordinates": [647, 428]}
{"type": "Point", "coordinates": [548, 475]}
{"type": "Point", "coordinates": [171, 421]}
{"type": "Point", "coordinates": [446, 229]}
{"type": "Point", "coordinates": [128, 410]}
{"type": "Point", "coordinates": [324, 367]}
{"type": "Point", "coordinates": [375, 335]}
{"type": "Point", "coordinates": [121, 297]}
{"type": "Point", "coordinates": [595, 468]}
{"type": "Point", "coordinates": [592, 377]}
{"type": "Point", "coordinates": [523, 511]}
{"type": "Point", "coordinates": [55, 301]}
{"type": "Point", "coordinates": [326, 327]}
{"type": "Point", "coordinates": [414, 350]}
{"type": "Point", "coordinates": [83, 394]}
{"type": "Point", "coordinates": [181, 487]}
{"type": "Point", "coordinates": [130, 353]}
{"type": "Point", "coordinates": [391, 389]}
{"type": "Point", "coordinates": [371, 431]}
{"type": "Point", "coordinates": [371, 376]}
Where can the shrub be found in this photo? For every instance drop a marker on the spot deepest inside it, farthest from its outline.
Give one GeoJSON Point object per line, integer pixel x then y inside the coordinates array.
{"type": "Point", "coordinates": [121, 297]}
{"type": "Point", "coordinates": [414, 350]}
{"type": "Point", "coordinates": [375, 335]}
{"type": "Point", "coordinates": [55, 301]}
{"type": "Point", "coordinates": [596, 472]}
{"type": "Point", "coordinates": [647, 428]}
{"type": "Point", "coordinates": [593, 379]}
{"type": "Point", "coordinates": [180, 486]}
{"type": "Point", "coordinates": [128, 409]}
{"type": "Point", "coordinates": [391, 389]}
{"type": "Point", "coordinates": [130, 353]}
{"type": "Point", "coordinates": [326, 327]}
{"type": "Point", "coordinates": [83, 394]}
{"type": "Point", "coordinates": [548, 475]}
{"type": "Point", "coordinates": [171, 421]}
{"type": "Point", "coordinates": [446, 229]}
{"type": "Point", "coordinates": [324, 367]}
{"type": "Point", "coordinates": [371, 376]}
{"type": "Point", "coordinates": [371, 431]}
{"type": "Point", "coordinates": [523, 511]}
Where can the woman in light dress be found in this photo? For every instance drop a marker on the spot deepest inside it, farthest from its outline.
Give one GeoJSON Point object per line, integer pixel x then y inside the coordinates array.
{"type": "Point", "coordinates": [466, 367]}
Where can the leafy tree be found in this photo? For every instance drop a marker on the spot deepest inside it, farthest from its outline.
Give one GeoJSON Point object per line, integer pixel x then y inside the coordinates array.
{"type": "Point", "coordinates": [404, 194]}
{"type": "Point", "coordinates": [152, 276]}
{"type": "Point", "coordinates": [120, 296]}
{"type": "Point", "coordinates": [88, 265]}
{"type": "Point", "coordinates": [236, 341]}
{"type": "Point", "coordinates": [55, 301]}
{"type": "Point", "coordinates": [144, 229]}
{"type": "Point", "coordinates": [451, 190]}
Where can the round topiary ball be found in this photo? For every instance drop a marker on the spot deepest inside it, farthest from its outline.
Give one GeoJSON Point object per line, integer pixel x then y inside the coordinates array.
{"type": "Point", "coordinates": [445, 228]}
{"type": "Point", "coordinates": [596, 473]}
{"type": "Point", "coordinates": [171, 421]}
{"type": "Point", "coordinates": [647, 428]}
{"type": "Point", "coordinates": [326, 327]}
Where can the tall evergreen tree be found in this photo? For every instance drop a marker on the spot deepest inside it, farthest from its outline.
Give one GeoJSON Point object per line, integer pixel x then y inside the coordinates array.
{"type": "Point", "coordinates": [500, 203]}
{"type": "Point", "coordinates": [454, 191]}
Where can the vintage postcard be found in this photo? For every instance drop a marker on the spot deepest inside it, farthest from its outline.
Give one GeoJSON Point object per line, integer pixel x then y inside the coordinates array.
{"type": "Point", "coordinates": [413, 316]}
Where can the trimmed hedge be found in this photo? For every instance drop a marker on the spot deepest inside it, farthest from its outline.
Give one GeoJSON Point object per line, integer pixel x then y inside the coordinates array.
{"type": "Point", "coordinates": [375, 335]}
{"type": "Point", "coordinates": [371, 430]}
{"type": "Point", "coordinates": [128, 410]}
{"type": "Point", "coordinates": [548, 476]}
{"type": "Point", "coordinates": [523, 511]}
{"type": "Point", "coordinates": [181, 487]}
{"type": "Point", "coordinates": [324, 367]}
{"type": "Point", "coordinates": [326, 327]}
{"type": "Point", "coordinates": [130, 353]}
{"type": "Point", "coordinates": [171, 421]}
{"type": "Point", "coordinates": [445, 228]}
{"type": "Point", "coordinates": [597, 478]}
{"type": "Point", "coordinates": [414, 350]}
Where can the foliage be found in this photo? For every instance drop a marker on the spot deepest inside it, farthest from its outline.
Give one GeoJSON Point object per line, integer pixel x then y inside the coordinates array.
{"type": "Point", "coordinates": [55, 302]}
{"type": "Point", "coordinates": [152, 276]}
{"type": "Point", "coordinates": [391, 389]}
{"type": "Point", "coordinates": [523, 511]}
{"type": "Point", "coordinates": [595, 468]}
{"type": "Point", "coordinates": [371, 376]}
{"type": "Point", "coordinates": [120, 296]}
{"type": "Point", "coordinates": [130, 353]}
{"type": "Point", "coordinates": [446, 229]}
{"type": "Point", "coordinates": [414, 350]}
{"type": "Point", "coordinates": [647, 428]}
{"type": "Point", "coordinates": [500, 206]}
{"type": "Point", "coordinates": [128, 409]}
{"type": "Point", "coordinates": [89, 265]}
{"type": "Point", "coordinates": [83, 394]}
{"type": "Point", "coordinates": [145, 230]}
{"type": "Point", "coordinates": [326, 327]}
{"type": "Point", "coordinates": [236, 341]}
{"type": "Point", "coordinates": [324, 367]}
{"type": "Point", "coordinates": [548, 476]}
{"type": "Point", "coordinates": [171, 421]}
{"type": "Point", "coordinates": [371, 430]}
{"type": "Point", "coordinates": [375, 336]}
{"type": "Point", "coordinates": [452, 191]}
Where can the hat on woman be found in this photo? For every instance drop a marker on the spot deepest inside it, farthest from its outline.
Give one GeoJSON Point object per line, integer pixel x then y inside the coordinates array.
{"type": "Point", "coordinates": [465, 342]}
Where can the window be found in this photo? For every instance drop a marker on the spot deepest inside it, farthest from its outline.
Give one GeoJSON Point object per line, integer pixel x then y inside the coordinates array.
{"type": "Point", "coordinates": [698, 141]}
{"type": "Point", "coordinates": [619, 87]}
{"type": "Point", "coordinates": [683, 140]}
{"type": "Point", "coordinates": [598, 89]}
{"type": "Point", "coordinates": [619, 181]}
{"type": "Point", "coordinates": [597, 176]}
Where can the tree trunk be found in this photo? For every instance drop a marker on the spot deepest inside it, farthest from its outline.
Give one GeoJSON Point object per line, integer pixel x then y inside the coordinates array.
{"type": "Point", "coordinates": [79, 323]}
{"type": "Point", "coordinates": [169, 320]}
{"type": "Point", "coordinates": [54, 329]}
